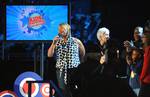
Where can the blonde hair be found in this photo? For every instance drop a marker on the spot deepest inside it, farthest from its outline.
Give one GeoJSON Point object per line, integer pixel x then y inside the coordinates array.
{"type": "Point", "coordinates": [67, 28]}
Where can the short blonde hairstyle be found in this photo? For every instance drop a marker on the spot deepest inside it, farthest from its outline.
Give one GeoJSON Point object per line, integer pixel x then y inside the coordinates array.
{"type": "Point", "coordinates": [67, 28]}
{"type": "Point", "coordinates": [101, 31]}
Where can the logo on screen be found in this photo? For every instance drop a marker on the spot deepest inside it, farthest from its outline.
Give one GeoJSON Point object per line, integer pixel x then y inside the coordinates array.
{"type": "Point", "coordinates": [36, 21]}
{"type": "Point", "coordinates": [32, 20]}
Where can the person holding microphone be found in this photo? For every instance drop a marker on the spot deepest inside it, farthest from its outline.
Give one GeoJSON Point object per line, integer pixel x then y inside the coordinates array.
{"type": "Point", "coordinates": [69, 53]}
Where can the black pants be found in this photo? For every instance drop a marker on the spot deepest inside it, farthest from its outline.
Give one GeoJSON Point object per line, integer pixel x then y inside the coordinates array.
{"type": "Point", "coordinates": [144, 90]}
{"type": "Point", "coordinates": [69, 89]}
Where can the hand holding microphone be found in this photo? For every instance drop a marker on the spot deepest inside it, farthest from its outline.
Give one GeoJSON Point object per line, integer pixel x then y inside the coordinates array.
{"type": "Point", "coordinates": [55, 40]}
{"type": "Point", "coordinates": [51, 50]}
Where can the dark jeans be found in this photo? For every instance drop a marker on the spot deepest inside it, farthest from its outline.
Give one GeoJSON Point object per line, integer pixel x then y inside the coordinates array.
{"type": "Point", "coordinates": [144, 90]}
{"type": "Point", "coordinates": [72, 82]}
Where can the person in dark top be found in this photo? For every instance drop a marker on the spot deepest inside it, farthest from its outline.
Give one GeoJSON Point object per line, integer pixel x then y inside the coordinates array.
{"type": "Point", "coordinates": [100, 78]}
{"type": "Point", "coordinates": [135, 67]}
{"type": "Point", "coordinates": [137, 42]}
{"type": "Point", "coordinates": [109, 53]}
{"type": "Point", "coordinates": [129, 45]}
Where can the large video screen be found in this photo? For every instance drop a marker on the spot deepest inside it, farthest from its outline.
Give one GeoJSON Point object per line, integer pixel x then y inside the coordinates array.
{"type": "Point", "coordinates": [34, 22]}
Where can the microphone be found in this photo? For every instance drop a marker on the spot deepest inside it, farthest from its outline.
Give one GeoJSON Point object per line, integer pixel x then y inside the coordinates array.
{"type": "Point", "coordinates": [59, 35]}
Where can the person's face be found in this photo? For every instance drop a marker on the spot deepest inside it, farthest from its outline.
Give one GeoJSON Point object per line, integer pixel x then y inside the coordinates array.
{"type": "Point", "coordinates": [136, 36]}
{"type": "Point", "coordinates": [135, 55]}
{"type": "Point", "coordinates": [145, 39]}
{"type": "Point", "coordinates": [103, 39]}
{"type": "Point", "coordinates": [62, 31]}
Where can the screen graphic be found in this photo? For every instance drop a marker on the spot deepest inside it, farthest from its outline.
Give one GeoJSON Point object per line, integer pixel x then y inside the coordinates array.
{"type": "Point", "coordinates": [34, 22]}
